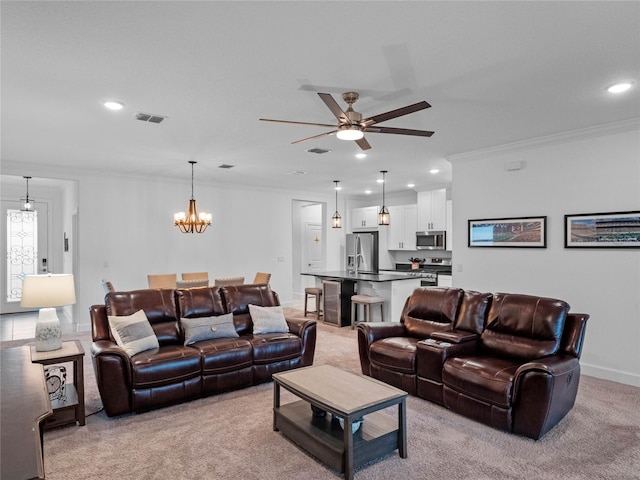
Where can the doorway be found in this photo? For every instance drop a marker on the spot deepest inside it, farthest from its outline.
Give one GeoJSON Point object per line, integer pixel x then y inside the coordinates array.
{"type": "Point", "coordinates": [25, 247]}
{"type": "Point", "coordinates": [309, 244]}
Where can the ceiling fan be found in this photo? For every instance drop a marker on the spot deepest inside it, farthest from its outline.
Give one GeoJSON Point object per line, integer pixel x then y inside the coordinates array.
{"type": "Point", "coordinates": [351, 125]}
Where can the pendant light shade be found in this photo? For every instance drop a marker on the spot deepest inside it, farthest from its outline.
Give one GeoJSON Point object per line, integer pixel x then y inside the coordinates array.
{"type": "Point", "coordinates": [26, 203]}
{"type": "Point", "coordinates": [192, 221]}
{"type": "Point", "coordinates": [383, 216]}
{"type": "Point", "coordinates": [336, 220]}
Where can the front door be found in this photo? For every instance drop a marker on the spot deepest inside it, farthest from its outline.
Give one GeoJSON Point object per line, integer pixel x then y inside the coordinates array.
{"type": "Point", "coordinates": [24, 250]}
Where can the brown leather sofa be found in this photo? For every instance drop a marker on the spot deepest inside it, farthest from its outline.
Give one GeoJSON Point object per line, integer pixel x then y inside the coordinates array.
{"type": "Point", "coordinates": [174, 373]}
{"type": "Point", "coordinates": [510, 361]}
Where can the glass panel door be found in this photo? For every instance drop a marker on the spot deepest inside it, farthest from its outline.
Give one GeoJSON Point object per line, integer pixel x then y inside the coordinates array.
{"type": "Point", "coordinates": [24, 247]}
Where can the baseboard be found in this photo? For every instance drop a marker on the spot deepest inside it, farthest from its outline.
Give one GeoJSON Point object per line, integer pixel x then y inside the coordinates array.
{"type": "Point", "coordinates": [627, 378]}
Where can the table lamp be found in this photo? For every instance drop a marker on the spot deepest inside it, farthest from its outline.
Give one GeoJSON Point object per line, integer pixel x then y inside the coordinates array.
{"type": "Point", "coordinates": [47, 292]}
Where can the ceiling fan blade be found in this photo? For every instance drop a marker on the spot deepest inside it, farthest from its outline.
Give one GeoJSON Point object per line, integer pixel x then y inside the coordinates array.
{"type": "Point", "coordinates": [399, 131]}
{"type": "Point", "coordinates": [334, 107]}
{"type": "Point", "coordinates": [298, 123]}
{"type": "Point", "coordinates": [315, 136]}
{"type": "Point", "coordinates": [399, 112]}
{"type": "Point", "coordinates": [363, 144]}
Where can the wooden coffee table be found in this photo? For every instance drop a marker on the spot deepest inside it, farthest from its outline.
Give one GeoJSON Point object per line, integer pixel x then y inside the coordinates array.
{"type": "Point", "coordinates": [350, 397]}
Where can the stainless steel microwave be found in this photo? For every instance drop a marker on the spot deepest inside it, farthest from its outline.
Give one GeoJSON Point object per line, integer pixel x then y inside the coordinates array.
{"type": "Point", "coordinates": [432, 240]}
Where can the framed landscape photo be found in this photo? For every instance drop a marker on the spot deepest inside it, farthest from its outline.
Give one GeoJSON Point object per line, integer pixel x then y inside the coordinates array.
{"type": "Point", "coordinates": [522, 232]}
{"type": "Point", "coordinates": [602, 230]}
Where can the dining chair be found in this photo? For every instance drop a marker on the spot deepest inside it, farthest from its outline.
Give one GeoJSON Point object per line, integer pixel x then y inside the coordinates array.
{"type": "Point", "coordinates": [197, 282]}
{"type": "Point", "coordinates": [167, 280]}
{"type": "Point", "coordinates": [220, 282]}
{"type": "Point", "coordinates": [262, 278]}
{"type": "Point", "coordinates": [196, 276]}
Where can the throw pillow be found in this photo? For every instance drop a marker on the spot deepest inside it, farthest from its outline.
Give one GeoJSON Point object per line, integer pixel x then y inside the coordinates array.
{"type": "Point", "coordinates": [207, 328]}
{"type": "Point", "coordinates": [133, 332]}
{"type": "Point", "coordinates": [268, 319]}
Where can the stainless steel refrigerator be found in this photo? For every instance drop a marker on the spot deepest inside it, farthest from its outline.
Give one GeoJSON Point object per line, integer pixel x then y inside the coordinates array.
{"type": "Point", "coordinates": [362, 252]}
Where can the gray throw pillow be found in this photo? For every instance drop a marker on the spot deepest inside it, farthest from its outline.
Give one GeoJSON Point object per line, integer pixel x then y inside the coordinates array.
{"type": "Point", "coordinates": [133, 332]}
{"type": "Point", "coordinates": [207, 328]}
{"type": "Point", "coordinates": [268, 319]}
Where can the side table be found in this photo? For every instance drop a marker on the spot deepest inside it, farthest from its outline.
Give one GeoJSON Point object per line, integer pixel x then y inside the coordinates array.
{"type": "Point", "coordinates": [70, 408]}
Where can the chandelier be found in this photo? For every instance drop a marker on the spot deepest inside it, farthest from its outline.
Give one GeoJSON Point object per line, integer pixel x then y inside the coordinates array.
{"type": "Point", "coordinates": [336, 220]}
{"type": "Point", "coordinates": [383, 216]}
{"type": "Point", "coordinates": [27, 206]}
{"type": "Point", "coordinates": [192, 221]}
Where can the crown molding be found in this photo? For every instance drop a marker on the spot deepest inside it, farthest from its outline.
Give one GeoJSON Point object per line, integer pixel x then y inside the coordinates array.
{"type": "Point", "coordinates": [590, 132]}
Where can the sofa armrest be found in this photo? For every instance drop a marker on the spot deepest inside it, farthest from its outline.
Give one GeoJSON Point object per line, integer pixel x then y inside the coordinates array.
{"type": "Point", "coordinates": [455, 336]}
{"type": "Point", "coordinates": [307, 331]}
{"type": "Point", "coordinates": [369, 333]}
{"type": "Point", "coordinates": [544, 391]}
{"type": "Point", "coordinates": [112, 368]}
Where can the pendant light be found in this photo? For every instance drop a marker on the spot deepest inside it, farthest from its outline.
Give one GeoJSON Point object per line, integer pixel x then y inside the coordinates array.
{"type": "Point", "coordinates": [27, 206]}
{"type": "Point", "coordinates": [336, 220]}
{"type": "Point", "coordinates": [192, 222]}
{"type": "Point", "coordinates": [383, 216]}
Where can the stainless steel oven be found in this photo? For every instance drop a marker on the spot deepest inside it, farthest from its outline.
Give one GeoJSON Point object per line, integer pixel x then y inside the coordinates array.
{"type": "Point", "coordinates": [429, 280]}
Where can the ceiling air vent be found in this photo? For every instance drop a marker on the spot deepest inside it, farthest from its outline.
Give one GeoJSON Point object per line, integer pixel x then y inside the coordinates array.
{"type": "Point", "coordinates": [148, 117]}
{"type": "Point", "coordinates": [227, 166]}
{"type": "Point", "coordinates": [319, 151]}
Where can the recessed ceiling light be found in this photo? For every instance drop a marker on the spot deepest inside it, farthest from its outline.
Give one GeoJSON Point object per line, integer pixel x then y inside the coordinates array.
{"type": "Point", "coordinates": [367, 192]}
{"type": "Point", "coordinates": [380, 180]}
{"type": "Point", "coordinates": [433, 171]}
{"type": "Point", "coordinates": [620, 87]}
{"type": "Point", "coordinates": [361, 155]}
{"type": "Point", "coordinates": [411, 185]}
{"type": "Point", "coordinates": [113, 105]}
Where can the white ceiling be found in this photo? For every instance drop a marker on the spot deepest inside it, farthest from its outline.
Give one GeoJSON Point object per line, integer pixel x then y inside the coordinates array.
{"type": "Point", "coordinates": [494, 73]}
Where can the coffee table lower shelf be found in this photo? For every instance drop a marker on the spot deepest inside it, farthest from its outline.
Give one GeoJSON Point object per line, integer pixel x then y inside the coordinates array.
{"type": "Point", "coordinates": [324, 438]}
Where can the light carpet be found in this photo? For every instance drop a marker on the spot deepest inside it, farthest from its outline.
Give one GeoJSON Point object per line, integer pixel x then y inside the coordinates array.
{"type": "Point", "coordinates": [231, 436]}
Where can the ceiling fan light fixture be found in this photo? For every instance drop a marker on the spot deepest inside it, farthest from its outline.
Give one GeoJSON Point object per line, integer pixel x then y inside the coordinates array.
{"type": "Point", "coordinates": [349, 132]}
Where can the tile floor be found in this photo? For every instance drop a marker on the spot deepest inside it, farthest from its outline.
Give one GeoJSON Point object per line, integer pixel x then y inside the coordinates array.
{"type": "Point", "coordinates": [18, 326]}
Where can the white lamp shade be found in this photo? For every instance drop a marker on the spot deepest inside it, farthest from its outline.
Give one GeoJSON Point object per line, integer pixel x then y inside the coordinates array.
{"type": "Point", "coordinates": [51, 290]}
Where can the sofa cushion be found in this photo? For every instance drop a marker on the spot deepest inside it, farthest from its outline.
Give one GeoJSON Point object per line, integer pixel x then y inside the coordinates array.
{"type": "Point", "coordinates": [159, 306]}
{"type": "Point", "coordinates": [524, 326]}
{"type": "Point", "coordinates": [223, 355]}
{"type": "Point", "coordinates": [395, 353]}
{"type": "Point", "coordinates": [473, 311]}
{"type": "Point", "coordinates": [166, 365]}
{"type": "Point", "coordinates": [206, 328]}
{"type": "Point", "coordinates": [431, 309]}
{"type": "Point", "coordinates": [268, 320]}
{"type": "Point", "coordinates": [133, 333]}
{"type": "Point", "coordinates": [238, 298]}
{"type": "Point", "coordinates": [275, 347]}
{"type": "Point", "coordinates": [489, 379]}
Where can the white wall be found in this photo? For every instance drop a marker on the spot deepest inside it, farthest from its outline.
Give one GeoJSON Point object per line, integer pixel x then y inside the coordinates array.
{"type": "Point", "coordinates": [583, 172]}
{"type": "Point", "coordinates": [126, 232]}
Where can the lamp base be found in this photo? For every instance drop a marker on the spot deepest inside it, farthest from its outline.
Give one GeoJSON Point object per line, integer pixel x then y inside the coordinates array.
{"type": "Point", "coordinates": [48, 331]}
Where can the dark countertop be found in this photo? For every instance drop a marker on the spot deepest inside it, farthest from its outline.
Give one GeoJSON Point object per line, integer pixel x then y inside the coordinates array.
{"type": "Point", "coordinates": [367, 277]}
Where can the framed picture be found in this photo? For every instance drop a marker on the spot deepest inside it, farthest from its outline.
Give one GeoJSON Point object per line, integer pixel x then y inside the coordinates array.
{"type": "Point", "coordinates": [527, 232]}
{"type": "Point", "coordinates": [602, 230]}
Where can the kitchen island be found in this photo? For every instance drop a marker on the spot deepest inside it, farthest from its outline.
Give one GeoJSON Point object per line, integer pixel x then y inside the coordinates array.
{"type": "Point", "coordinates": [340, 286]}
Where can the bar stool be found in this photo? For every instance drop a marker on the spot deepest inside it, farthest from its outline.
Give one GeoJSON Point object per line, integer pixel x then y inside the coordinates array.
{"type": "Point", "coordinates": [313, 292]}
{"type": "Point", "coordinates": [366, 301]}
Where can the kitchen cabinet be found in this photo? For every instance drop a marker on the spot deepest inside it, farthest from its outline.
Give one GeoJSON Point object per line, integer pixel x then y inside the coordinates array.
{"type": "Point", "coordinates": [432, 210]}
{"type": "Point", "coordinates": [401, 234]}
{"type": "Point", "coordinates": [365, 217]}
{"type": "Point", "coordinates": [445, 280]}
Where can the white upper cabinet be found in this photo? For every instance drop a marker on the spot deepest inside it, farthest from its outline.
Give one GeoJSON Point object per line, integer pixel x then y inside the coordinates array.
{"type": "Point", "coordinates": [401, 233]}
{"type": "Point", "coordinates": [366, 217]}
{"type": "Point", "coordinates": [432, 210]}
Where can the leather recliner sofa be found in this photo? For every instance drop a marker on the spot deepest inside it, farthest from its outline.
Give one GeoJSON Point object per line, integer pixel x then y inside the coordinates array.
{"type": "Point", "coordinates": [174, 373]}
{"type": "Point", "coordinates": [510, 361]}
